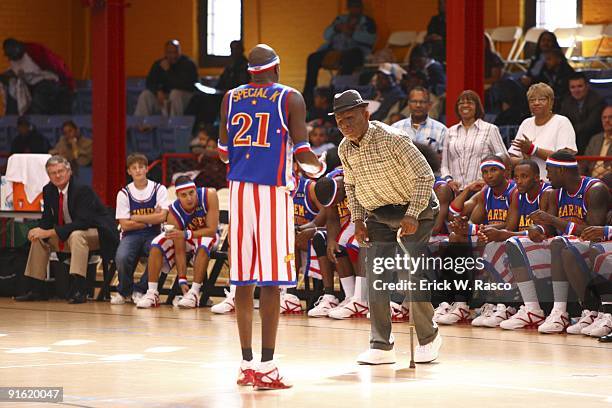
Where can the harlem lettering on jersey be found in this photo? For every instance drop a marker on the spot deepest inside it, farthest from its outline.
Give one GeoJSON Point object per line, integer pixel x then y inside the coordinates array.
{"type": "Point", "coordinates": [496, 207]}
{"type": "Point", "coordinates": [573, 207]}
{"type": "Point", "coordinates": [527, 206]}
{"type": "Point", "coordinates": [304, 209]}
{"type": "Point", "coordinates": [196, 219]}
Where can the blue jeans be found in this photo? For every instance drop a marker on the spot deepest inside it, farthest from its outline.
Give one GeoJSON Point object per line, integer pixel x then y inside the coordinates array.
{"type": "Point", "coordinates": [131, 248]}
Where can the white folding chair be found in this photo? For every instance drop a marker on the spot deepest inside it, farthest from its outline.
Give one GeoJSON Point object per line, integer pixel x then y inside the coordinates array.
{"type": "Point", "coordinates": [567, 38]}
{"type": "Point", "coordinates": [531, 36]}
{"type": "Point", "coordinates": [510, 34]}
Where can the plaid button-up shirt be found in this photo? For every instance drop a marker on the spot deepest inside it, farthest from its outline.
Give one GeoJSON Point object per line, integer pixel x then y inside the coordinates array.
{"type": "Point", "coordinates": [385, 168]}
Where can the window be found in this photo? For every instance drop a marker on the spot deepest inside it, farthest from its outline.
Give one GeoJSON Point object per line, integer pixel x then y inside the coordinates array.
{"type": "Point", "coordinates": [220, 23]}
{"type": "Point", "coordinates": [553, 14]}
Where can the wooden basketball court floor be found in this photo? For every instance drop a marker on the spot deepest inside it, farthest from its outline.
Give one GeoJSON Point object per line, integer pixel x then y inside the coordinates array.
{"type": "Point", "coordinates": [118, 356]}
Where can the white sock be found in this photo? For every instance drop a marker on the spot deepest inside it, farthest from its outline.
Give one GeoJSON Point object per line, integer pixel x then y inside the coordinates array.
{"type": "Point", "coordinates": [560, 289]}
{"type": "Point", "coordinates": [360, 283]}
{"type": "Point", "coordinates": [348, 284]}
{"type": "Point", "coordinates": [529, 295]}
{"type": "Point", "coordinates": [152, 286]}
{"type": "Point", "coordinates": [461, 304]}
{"type": "Point", "coordinates": [232, 290]}
{"type": "Point", "coordinates": [195, 288]}
{"type": "Point", "coordinates": [560, 306]}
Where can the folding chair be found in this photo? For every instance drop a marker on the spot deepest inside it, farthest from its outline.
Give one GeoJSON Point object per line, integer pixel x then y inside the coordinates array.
{"type": "Point", "coordinates": [510, 34]}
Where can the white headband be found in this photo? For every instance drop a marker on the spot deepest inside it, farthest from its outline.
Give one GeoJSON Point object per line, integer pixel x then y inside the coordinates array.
{"type": "Point", "coordinates": [559, 163]}
{"type": "Point", "coordinates": [268, 65]}
{"type": "Point", "coordinates": [185, 186]}
{"type": "Point", "coordinates": [492, 163]}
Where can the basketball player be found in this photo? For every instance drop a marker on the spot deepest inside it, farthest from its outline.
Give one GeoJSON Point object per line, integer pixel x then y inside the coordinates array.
{"type": "Point", "coordinates": [193, 218]}
{"type": "Point", "coordinates": [531, 194]}
{"type": "Point", "coordinates": [530, 257]}
{"type": "Point", "coordinates": [488, 207]}
{"type": "Point", "coordinates": [341, 248]}
{"type": "Point", "coordinates": [262, 127]}
{"type": "Point", "coordinates": [590, 275]}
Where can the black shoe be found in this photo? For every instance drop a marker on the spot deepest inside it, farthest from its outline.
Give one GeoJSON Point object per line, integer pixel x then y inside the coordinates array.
{"type": "Point", "coordinates": [31, 296]}
{"type": "Point", "coordinates": [77, 298]}
{"type": "Point", "coordinates": [606, 339]}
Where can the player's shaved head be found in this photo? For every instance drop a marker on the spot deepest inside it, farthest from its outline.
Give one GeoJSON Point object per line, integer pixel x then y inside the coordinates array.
{"type": "Point", "coordinates": [261, 54]}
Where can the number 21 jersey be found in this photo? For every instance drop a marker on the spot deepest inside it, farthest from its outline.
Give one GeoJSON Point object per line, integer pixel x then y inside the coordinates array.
{"type": "Point", "coordinates": [259, 147]}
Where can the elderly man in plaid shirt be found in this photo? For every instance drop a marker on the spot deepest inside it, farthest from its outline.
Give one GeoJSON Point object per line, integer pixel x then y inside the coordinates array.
{"type": "Point", "coordinates": [419, 126]}
{"type": "Point", "coordinates": [389, 186]}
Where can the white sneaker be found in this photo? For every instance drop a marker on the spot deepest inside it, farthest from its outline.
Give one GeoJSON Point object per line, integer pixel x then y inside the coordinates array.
{"type": "Point", "coordinates": [267, 377]}
{"type": "Point", "coordinates": [150, 299]}
{"type": "Point", "coordinates": [117, 299]}
{"type": "Point", "coordinates": [500, 314]}
{"type": "Point", "coordinates": [341, 304]}
{"type": "Point", "coordinates": [523, 319]}
{"type": "Point", "coordinates": [602, 326]}
{"type": "Point", "coordinates": [399, 313]}
{"type": "Point", "coordinates": [442, 309]}
{"type": "Point", "coordinates": [459, 312]}
{"type": "Point", "coordinates": [429, 352]}
{"type": "Point", "coordinates": [227, 306]}
{"type": "Point", "coordinates": [290, 304]}
{"type": "Point", "coordinates": [587, 330]}
{"type": "Point", "coordinates": [190, 300]}
{"type": "Point", "coordinates": [556, 322]}
{"type": "Point", "coordinates": [323, 306]}
{"type": "Point", "coordinates": [353, 308]}
{"type": "Point", "coordinates": [586, 319]}
{"type": "Point", "coordinates": [136, 296]}
{"type": "Point", "coordinates": [377, 356]}
{"type": "Point", "coordinates": [485, 312]}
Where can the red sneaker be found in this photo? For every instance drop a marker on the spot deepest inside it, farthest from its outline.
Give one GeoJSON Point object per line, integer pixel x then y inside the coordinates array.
{"type": "Point", "coordinates": [267, 377]}
{"type": "Point", "coordinates": [246, 374]}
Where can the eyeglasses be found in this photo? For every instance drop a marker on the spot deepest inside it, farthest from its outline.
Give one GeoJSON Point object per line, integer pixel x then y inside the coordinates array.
{"type": "Point", "coordinates": [541, 100]}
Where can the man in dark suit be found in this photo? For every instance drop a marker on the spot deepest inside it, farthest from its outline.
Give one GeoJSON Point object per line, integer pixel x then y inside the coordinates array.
{"type": "Point", "coordinates": [583, 108]}
{"type": "Point", "coordinates": [75, 221]}
{"type": "Point", "coordinates": [599, 145]}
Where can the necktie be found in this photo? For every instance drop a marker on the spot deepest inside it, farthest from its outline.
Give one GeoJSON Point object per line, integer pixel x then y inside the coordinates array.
{"type": "Point", "coordinates": [60, 217]}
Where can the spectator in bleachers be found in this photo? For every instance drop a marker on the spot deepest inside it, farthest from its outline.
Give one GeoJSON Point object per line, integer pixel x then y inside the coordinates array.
{"type": "Point", "coordinates": [556, 73]}
{"type": "Point", "coordinates": [236, 73]}
{"type": "Point", "coordinates": [546, 42]}
{"type": "Point", "coordinates": [512, 104]}
{"type": "Point", "coordinates": [348, 40]}
{"type": "Point", "coordinates": [600, 145]}
{"type": "Point", "coordinates": [204, 106]}
{"type": "Point", "coordinates": [37, 81]}
{"type": "Point", "coordinates": [322, 105]}
{"type": "Point", "coordinates": [419, 125]}
{"type": "Point", "coordinates": [74, 221]}
{"type": "Point", "coordinates": [317, 137]}
{"type": "Point", "coordinates": [198, 143]}
{"type": "Point", "coordinates": [170, 84]}
{"type": "Point", "coordinates": [28, 139]}
{"type": "Point", "coordinates": [543, 133]}
{"type": "Point", "coordinates": [420, 60]}
{"type": "Point", "coordinates": [410, 81]}
{"type": "Point", "coordinates": [583, 108]}
{"type": "Point", "coordinates": [388, 90]}
{"type": "Point", "coordinates": [468, 142]}
{"type": "Point", "coordinates": [435, 40]}
{"type": "Point", "coordinates": [211, 145]}
{"type": "Point", "coordinates": [494, 63]}
{"type": "Point", "coordinates": [142, 206]}
{"type": "Point", "coordinates": [74, 147]}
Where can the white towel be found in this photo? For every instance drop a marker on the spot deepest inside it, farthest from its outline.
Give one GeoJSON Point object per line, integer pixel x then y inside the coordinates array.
{"type": "Point", "coordinates": [28, 169]}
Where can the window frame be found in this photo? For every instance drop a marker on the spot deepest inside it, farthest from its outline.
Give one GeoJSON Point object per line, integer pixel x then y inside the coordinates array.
{"type": "Point", "coordinates": [206, 60]}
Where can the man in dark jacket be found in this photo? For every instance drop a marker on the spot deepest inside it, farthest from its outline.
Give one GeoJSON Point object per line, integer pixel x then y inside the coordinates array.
{"type": "Point", "coordinates": [28, 139]}
{"type": "Point", "coordinates": [170, 84]}
{"type": "Point", "coordinates": [75, 221]}
{"type": "Point", "coordinates": [583, 108]}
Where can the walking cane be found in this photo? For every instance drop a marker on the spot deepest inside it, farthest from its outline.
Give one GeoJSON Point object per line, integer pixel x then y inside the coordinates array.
{"type": "Point", "coordinates": [410, 314]}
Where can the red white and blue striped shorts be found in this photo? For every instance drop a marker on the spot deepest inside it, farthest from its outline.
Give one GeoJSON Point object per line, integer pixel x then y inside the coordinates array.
{"type": "Point", "coordinates": [261, 235]}
{"type": "Point", "coordinates": [167, 247]}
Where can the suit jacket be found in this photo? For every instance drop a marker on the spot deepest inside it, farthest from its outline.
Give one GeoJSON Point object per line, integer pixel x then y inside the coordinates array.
{"type": "Point", "coordinates": [86, 211]}
{"type": "Point", "coordinates": [593, 149]}
{"type": "Point", "coordinates": [587, 121]}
